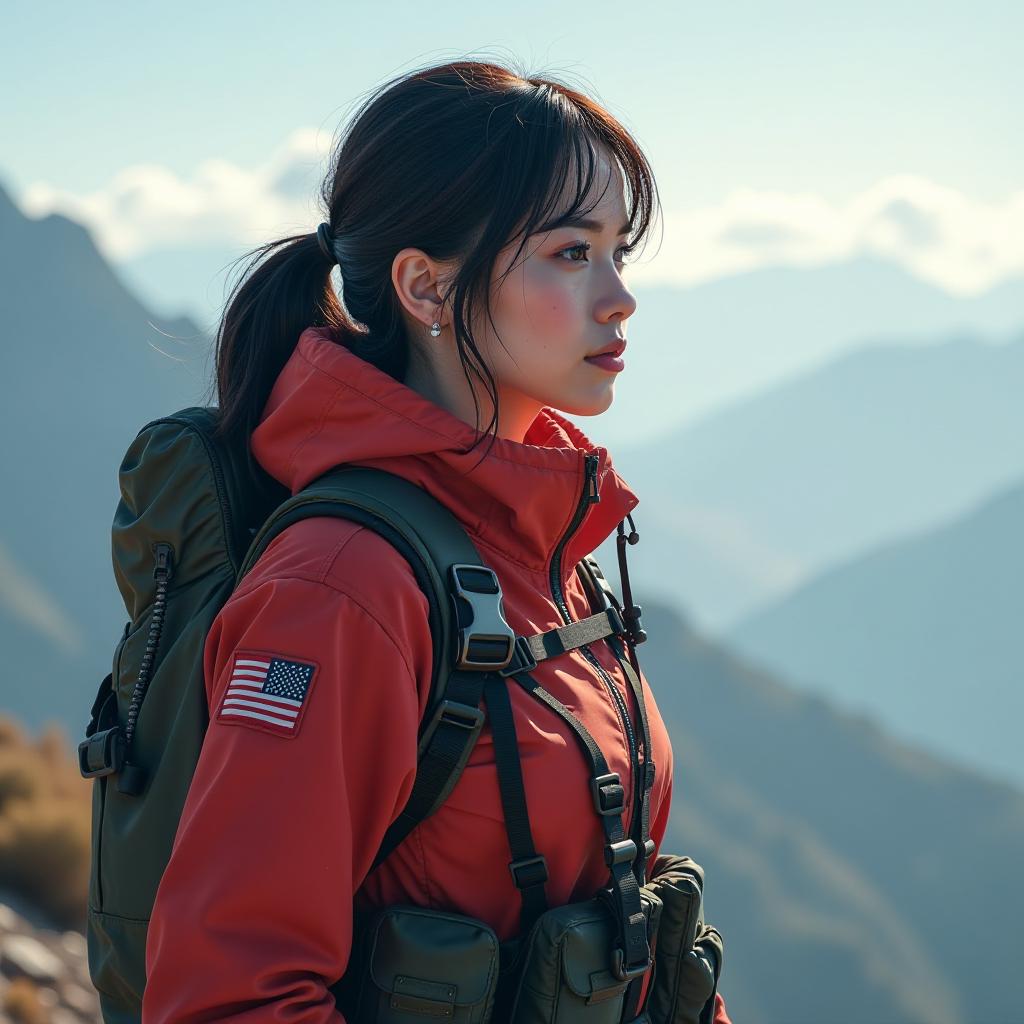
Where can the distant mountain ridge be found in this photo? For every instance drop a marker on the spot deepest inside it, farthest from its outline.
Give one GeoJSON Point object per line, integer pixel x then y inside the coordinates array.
{"type": "Point", "coordinates": [853, 878]}
{"type": "Point", "coordinates": [694, 348]}
{"type": "Point", "coordinates": [922, 632]}
{"type": "Point", "coordinates": [747, 504]}
{"type": "Point", "coordinates": [90, 366]}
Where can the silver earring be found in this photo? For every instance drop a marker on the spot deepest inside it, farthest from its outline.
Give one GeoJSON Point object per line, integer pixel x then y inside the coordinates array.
{"type": "Point", "coordinates": [435, 329]}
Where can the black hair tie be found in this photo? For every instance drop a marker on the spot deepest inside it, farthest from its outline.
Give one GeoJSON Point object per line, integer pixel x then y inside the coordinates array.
{"type": "Point", "coordinates": [326, 240]}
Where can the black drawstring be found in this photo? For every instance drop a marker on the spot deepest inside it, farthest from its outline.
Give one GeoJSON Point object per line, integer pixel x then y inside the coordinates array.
{"type": "Point", "coordinates": [630, 612]}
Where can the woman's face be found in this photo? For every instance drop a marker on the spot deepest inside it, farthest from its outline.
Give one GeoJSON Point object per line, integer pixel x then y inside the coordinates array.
{"type": "Point", "coordinates": [565, 299]}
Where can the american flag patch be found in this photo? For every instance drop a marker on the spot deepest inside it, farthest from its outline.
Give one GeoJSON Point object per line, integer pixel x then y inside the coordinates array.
{"type": "Point", "coordinates": [267, 691]}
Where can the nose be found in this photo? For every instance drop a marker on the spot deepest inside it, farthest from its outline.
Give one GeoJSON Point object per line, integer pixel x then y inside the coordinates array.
{"type": "Point", "coordinates": [620, 304]}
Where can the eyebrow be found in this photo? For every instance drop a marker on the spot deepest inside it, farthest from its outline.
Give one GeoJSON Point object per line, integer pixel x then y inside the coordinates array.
{"type": "Point", "coordinates": [587, 223]}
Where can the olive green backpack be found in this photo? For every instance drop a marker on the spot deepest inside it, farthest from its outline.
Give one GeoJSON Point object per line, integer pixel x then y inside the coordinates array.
{"type": "Point", "coordinates": [191, 522]}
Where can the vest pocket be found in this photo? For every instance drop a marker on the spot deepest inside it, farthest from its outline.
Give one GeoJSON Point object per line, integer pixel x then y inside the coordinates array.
{"type": "Point", "coordinates": [422, 963]}
{"type": "Point", "coordinates": [566, 976]}
{"type": "Point", "coordinates": [688, 954]}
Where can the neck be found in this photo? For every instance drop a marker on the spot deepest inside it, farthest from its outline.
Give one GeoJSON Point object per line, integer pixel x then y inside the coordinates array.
{"type": "Point", "coordinates": [443, 382]}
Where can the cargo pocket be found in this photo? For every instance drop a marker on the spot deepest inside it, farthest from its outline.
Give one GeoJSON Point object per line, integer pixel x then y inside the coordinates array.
{"type": "Point", "coordinates": [688, 953]}
{"type": "Point", "coordinates": [426, 963]}
{"type": "Point", "coordinates": [566, 969]}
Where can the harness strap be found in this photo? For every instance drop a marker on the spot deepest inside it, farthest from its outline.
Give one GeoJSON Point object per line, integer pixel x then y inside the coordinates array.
{"type": "Point", "coordinates": [600, 593]}
{"type": "Point", "coordinates": [633, 958]}
{"type": "Point", "coordinates": [645, 784]}
{"type": "Point", "coordinates": [444, 749]}
{"type": "Point", "coordinates": [530, 650]}
{"type": "Point", "coordinates": [529, 870]}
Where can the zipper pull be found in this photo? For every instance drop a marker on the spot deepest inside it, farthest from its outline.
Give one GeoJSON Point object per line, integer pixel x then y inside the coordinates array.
{"type": "Point", "coordinates": [591, 492]}
{"type": "Point", "coordinates": [164, 561]}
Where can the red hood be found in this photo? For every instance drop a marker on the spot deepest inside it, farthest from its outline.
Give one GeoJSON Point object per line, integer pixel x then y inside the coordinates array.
{"type": "Point", "coordinates": [329, 406]}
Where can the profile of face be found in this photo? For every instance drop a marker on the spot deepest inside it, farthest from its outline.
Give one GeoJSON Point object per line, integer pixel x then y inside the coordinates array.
{"type": "Point", "coordinates": [564, 299]}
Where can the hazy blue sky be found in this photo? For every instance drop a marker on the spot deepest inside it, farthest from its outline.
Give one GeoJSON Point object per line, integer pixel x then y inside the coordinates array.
{"type": "Point", "coordinates": [889, 125]}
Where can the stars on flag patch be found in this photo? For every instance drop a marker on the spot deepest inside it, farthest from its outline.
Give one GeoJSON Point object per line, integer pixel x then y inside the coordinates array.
{"type": "Point", "coordinates": [268, 692]}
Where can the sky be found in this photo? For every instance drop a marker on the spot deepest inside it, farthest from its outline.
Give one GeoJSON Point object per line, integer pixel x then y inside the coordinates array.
{"type": "Point", "coordinates": [798, 133]}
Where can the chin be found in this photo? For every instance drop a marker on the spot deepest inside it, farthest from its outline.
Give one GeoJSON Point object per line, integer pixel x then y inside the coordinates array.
{"type": "Point", "coordinates": [594, 405]}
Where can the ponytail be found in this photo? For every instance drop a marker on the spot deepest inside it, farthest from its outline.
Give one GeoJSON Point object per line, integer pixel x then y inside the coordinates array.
{"type": "Point", "coordinates": [285, 288]}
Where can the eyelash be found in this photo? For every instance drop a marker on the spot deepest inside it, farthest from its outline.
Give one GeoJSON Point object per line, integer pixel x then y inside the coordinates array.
{"type": "Point", "coordinates": [586, 246]}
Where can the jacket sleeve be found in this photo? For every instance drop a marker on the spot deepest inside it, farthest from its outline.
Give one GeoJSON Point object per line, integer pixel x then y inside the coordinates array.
{"type": "Point", "coordinates": [286, 810]}
{"type": "Point", "coordinates": [721, 1017]}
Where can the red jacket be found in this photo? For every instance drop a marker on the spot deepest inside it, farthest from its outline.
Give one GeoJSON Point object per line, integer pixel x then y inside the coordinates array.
{"type": "Point", "coordinates": [286, 811]}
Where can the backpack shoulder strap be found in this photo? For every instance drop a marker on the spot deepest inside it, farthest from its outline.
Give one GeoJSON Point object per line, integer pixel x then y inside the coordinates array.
{"type": "Point", "coordinates": [471, 636]}
{"type": "Point", "coordinates": [599, 591]}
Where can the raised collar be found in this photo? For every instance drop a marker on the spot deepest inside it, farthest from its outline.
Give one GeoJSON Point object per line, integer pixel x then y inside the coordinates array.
{"type": "Point", "coordinates": [329, 406]}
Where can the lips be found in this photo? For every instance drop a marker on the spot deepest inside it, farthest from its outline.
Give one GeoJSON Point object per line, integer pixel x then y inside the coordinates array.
{"type": "Point", "coordinates": [615, 348]}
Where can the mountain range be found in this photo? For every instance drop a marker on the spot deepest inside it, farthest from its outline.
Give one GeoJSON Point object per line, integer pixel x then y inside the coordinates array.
{"type": "Point", "coordinates": [854, 876]}
{"type": "Point", "coordinates": [922, 632]}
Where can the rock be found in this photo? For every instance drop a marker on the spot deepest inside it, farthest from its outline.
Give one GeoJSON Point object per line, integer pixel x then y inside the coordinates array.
{"type": "Point", "coordinates": [21, 954]}
{"type": "Point", "coordinates": [59, 1015]}
{"type": "Point", "coordinates": [8, 918]}
{"type": "Point", "coordinates": [74, 943]}
{"type": "Point", "coordinates": [83, 1001]}
{"type": "Point", "coordinates": [47, 997]}
{"type": "Point", "coordinates": [45, 971]}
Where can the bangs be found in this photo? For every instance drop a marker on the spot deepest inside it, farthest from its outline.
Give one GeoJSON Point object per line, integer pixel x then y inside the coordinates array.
{"type": "Point", "coordinates": [561, 165]}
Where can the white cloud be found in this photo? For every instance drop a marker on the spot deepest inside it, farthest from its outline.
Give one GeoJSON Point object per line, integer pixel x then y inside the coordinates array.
{"type": "Point", "coordinates": [943, 236]}
{"type": "Point", "coordinates": [146, 206]}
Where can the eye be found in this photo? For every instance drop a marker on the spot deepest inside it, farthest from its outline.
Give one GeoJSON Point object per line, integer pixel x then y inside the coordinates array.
{"type": "Point", "coordinates": [585, 247]}
{"type": "Point", "coordinates": [576, 247]}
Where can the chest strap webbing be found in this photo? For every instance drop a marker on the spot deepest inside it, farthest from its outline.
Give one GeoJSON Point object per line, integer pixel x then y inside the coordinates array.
{"type": "Point", "coordinates": [631, 959]}
{"type": "Point", "coordinates": [530, 650]}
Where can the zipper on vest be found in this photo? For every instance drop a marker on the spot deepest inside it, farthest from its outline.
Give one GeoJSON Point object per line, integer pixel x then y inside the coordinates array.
{"type": "Point", "coordinates": [589, 496]}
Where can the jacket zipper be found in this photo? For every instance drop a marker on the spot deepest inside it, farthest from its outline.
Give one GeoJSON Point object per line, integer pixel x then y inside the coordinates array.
{"type": "Point", "coordinates": [589, 496]}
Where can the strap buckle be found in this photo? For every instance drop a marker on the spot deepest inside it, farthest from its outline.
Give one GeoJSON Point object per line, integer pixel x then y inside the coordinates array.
{"type": "Point", "coordinates": [486, 642]}
{"type": "Point", "coordinates": [450, 712]}
{"type": "Point", "coordinates": [535, 871]}
{"type": "Point", "coordinates": [609, 794]}
{"type": "Point", "coordinates": [102, 753]}
{"type": "Point", "coordinates": [615, 619]}
{"type": "Point", "coordinates": [623, 852]}
{"type": "Point", "coordinates": [625, 973]}
{"type": "Point", "coordinates": [522, 659]}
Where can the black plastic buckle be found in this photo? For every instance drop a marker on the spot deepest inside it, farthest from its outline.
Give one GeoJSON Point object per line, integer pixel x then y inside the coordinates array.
{"type": "Point", "coordinates": [624, 973]}
{"type": "Point", "coordinates": [102, 753]}
{"type": "Point", "coordinates": [535, 877]}
{"type": "Point", "coordinates": [623, 852]}
{"type": "Point", "coordinates": [486, 642]}
{"type": "Point", "coordinates": [616, 620]}
{"type": "Point", "coordinates": [451, 712]}
{"type": "Point", "coordinates": [522, 659]}
{"type": "Point", "coordinates": [597, 789]}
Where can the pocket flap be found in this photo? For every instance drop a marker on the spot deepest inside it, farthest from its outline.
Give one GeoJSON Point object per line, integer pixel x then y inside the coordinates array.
{"type": "Point", "coordinates": [433, 957]}
{"type": "Point", "coordinates": [586, 959]}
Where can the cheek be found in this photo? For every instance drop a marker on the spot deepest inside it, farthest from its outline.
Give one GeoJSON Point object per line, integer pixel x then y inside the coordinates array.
{"type": "Point", "coordinates": [550, 303]}
{"type": "Point", "coordinates": [554, 310]}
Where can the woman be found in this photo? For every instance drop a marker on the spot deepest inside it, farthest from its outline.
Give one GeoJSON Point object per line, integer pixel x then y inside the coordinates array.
{"type": "Point", "coordinates": [472, 288]}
